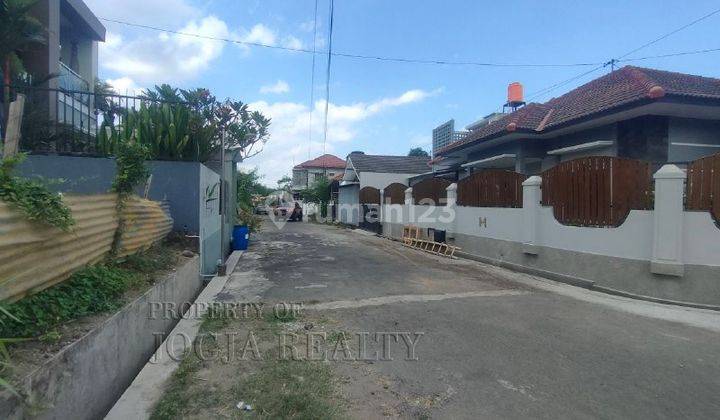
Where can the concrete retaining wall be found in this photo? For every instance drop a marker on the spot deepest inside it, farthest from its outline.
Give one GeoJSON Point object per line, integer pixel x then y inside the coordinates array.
{"type": "Point", "coordinates": [176, 182]}
{"type": "Point", "coordinates": [85, 379]}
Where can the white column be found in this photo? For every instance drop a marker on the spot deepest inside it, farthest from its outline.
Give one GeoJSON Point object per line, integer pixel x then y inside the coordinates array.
{"type": "Point", "coordinates": [408, 197]}
{"type": "Point", "coordinates": [382, 205]}
{"type": "Point", "coordinates": [667, 256]}
{"type": "Point", "coordinates": [532, 196]}
{"type": "Point", "coordinates": [450, 213]}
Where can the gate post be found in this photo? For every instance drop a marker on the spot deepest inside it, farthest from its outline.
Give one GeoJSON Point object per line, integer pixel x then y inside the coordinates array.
{"type": "Point", "coordinates": [450, 209]}
{"type": "Point", "coordinates": [408, 197]}
{"type": "Point", "coordinates": [667, 255]}
{"type": "Point", "coordinates": [532, 196]}
{"type": "Point", "coordinates": [382, 204]}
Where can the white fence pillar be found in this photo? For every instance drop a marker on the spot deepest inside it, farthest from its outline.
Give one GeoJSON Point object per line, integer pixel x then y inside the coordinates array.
{"type": "Point", "coordinates": [531, 213]}
{"type": "Point", "coordinates": [382, 204]}
{"type": "Point", "coordinates": [667, 256]}
{"type": "Point", "coordinates": [408, 197]}
{"type": "Point", "coordinates": [450, 210]}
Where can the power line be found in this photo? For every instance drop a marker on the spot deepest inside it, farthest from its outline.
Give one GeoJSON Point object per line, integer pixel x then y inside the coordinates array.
{"type": "Point", "coordinates": [327, 74]}
{"type": "Point", "coordinates": [613, 61]}
{"type": "Point", "coordinates": [677, 54]}
{"type": "Point", "coordinates": [558, 85]}
{"type": "Point", "coordinates": [673, 32]}
{"type": "Point", "coordinates": [312, 79]}
{"type": "Point", "coordinates": [350, 55]}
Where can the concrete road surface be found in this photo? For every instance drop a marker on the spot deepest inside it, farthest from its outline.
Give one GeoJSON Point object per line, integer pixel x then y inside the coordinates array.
{"type": "Point", "coordinates": [495, 344]}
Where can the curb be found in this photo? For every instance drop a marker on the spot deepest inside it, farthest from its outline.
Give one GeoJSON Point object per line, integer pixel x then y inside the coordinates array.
{"type": "Point", "coordinates": [148, 387]}
{"type": "Point", "coordinates": [575, 281]}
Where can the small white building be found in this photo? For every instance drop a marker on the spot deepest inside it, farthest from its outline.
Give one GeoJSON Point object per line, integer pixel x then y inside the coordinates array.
{"type": "Point", "coordinates": [375, 171]}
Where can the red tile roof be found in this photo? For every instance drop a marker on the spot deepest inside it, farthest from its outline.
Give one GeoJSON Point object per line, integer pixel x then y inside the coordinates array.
{"type": "Point", "coordinates": [324, 161]}
{"type": "Point", "coordinates": [626, 86]}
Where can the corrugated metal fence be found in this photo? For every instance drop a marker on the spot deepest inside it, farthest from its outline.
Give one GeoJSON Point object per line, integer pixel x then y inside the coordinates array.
{"type": "Point", "coordinates": [34, 257]}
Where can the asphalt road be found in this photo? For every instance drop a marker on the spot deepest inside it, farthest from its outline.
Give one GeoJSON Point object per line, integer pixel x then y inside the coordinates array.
{"type": "Point", "coordinates": [496, 344]}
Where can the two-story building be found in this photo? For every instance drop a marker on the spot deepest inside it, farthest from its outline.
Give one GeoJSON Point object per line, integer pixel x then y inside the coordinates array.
{"type": "Point", "coordinates": [640, 113]}
{"type": "Point", "coordinates": [70, 53]}
{"type": "Point", "coordinates": [305, 174]}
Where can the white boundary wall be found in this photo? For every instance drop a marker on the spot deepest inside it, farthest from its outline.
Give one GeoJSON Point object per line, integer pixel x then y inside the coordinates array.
{"type": "Point", "coordinates": [664, 240]}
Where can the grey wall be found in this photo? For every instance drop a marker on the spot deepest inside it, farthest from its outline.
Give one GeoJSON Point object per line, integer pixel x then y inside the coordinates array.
{"type": "Point", "coordinates": [210, 220]}
{"type": "Point", "coordinates": [348, 204]}
{"type": "Point", "coordinates": [176, 182]}
{"type": "Point", "coordinates": [704, 133]}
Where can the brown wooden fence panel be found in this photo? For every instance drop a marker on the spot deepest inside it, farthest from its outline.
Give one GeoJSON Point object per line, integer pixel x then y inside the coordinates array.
{"type": "Point", "coordinates": [394, 193]}
{"type": "Point", "coordinates": [598, 190]}
{"type": "Point", "coordinates": [431, 190]}
{"type": "Point", "coordinates": [491, 188]}
{"type": "Point", "coordinates": [703, 185]}
{"type": "Point", "coordinates": [369, 195]}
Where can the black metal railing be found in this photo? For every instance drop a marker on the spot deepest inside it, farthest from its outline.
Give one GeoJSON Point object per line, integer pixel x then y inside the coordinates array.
{"type": "Point", "coordinates": [65, 121]}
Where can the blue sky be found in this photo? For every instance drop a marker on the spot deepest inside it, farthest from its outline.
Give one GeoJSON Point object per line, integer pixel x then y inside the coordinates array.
{"type": "Point", "coordinates": [384, 107]}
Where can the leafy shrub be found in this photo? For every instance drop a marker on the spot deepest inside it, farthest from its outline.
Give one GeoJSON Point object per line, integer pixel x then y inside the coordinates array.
{"type": "Point", "coordinates": [246, 217]}
{"type": "Point", "coordinates": [131, 169]}
{"type": "Point", "coordinates": [91, 290]}
{"type": "Point", "coordinates": [32, 198]}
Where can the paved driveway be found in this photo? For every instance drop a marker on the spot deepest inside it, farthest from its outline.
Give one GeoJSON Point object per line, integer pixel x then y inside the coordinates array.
{"type": "Point", "coordinates": [496, 344]}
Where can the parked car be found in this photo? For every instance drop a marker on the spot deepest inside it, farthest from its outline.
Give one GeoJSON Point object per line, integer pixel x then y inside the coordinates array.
{"type": "Point", "coordinates": [262, 209]}
{"type": "Point", "coordinates": [283, 210]}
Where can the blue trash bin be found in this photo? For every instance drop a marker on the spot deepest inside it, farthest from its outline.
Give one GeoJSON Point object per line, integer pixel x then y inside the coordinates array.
{"type": "Point", "coordinates": [240, 237]}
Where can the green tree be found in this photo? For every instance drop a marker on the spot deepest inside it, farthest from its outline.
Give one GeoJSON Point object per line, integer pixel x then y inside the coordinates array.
{"type": "Point", "coordinates": [418, 152]}
{"type": "Point", "coordinates": [18, 32]}
{"type": "Point", "coordinates": [318, 193]}
{"type": "Point", "coordinates": [248, 185]}
{"type": "Point", "coordinates": [284, 183]}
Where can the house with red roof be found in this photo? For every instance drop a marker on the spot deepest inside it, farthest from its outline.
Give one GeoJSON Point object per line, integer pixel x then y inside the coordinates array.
{"type": "Point", "coordinates": [633, 112]}
{"type": "Point", "coordinates": [326, 166]}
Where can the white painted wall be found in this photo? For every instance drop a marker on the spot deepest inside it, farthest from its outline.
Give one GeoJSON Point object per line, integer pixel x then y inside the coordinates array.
{"type": "Point", "coordinates": [632, 240]}
{"type": "Point", "coordinates": [381, 180]}
{"type": "Point", "coordinates": [701, 239]}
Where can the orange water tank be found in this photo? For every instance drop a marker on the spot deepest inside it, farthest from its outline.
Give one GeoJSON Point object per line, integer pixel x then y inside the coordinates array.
{"type": "Point", "coordinates": [515, 93]}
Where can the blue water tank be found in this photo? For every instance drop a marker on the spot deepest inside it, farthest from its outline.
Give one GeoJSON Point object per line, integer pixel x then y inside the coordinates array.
{"type": "Point", "coordinates": [240, 238]}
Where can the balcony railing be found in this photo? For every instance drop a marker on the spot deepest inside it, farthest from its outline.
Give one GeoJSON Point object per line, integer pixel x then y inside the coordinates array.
{"type": "Point", "coordinates": [71, 81]}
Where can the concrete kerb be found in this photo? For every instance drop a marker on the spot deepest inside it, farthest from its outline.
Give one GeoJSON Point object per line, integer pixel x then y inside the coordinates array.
{"type": "Point", "coordinates": [574, 281]}
{"type": "Point", "coordinates": [139, 399]}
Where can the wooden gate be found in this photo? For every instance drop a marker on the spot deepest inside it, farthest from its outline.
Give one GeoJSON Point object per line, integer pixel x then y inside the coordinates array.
{"type": "Point", "coordinates": [369, 195]}
{"type": "Point", "coordinates": [597, 191]}
{"type": "Point", "coordinates": [394, 193]}
{"type": "Point", "coordinates": [431, 191]}
{"type": "Point", "coordinates": [491, 188]}
{"type": "Point", "coordinates": [703, 186]}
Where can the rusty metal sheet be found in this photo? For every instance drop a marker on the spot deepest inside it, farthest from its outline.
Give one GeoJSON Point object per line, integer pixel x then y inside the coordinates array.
{"type": "Point", "coordinates": [34, 256]}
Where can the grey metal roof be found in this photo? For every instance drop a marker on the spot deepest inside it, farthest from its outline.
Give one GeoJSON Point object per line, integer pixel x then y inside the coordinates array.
{"type": "Point", "coordinates": [389, 164]}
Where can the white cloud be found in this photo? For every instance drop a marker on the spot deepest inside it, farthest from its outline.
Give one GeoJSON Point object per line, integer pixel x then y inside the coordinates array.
{"type": "Point", "coordinates": [280, 87]}
{"type": "Point", "coordinates": [260, 34]}
{"type": "Point", "coordinates": [289, 131]}
{"type": "Point", "coordinates": [151, 12]}
{"type": "Point", "coordinates": [165, 58]}
{"type": "Point", "coordinates": [292, 42]}
{"type": "Point", "coordinates": [159, 57]}
{"type": "Point", "coordinates": [125, 86]}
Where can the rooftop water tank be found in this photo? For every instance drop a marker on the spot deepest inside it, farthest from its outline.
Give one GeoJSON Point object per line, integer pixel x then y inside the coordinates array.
{"type": "Point", "coordinates": [515, 93]}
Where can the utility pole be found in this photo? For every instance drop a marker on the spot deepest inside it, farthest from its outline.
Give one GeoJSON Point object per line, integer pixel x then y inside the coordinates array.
{"type": "Point", "coordinates": [611, 63]}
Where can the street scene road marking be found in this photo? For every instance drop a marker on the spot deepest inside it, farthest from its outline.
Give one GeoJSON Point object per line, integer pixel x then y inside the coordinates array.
{"type": "Point", "coordinates": [386, 300]}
